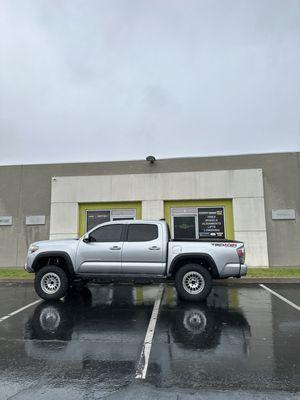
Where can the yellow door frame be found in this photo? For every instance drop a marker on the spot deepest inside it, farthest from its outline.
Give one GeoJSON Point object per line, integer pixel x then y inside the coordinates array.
{"type": "Point", "coordinates": [84, 207]}
{"type": "Point", "coordinates": [226, 203]}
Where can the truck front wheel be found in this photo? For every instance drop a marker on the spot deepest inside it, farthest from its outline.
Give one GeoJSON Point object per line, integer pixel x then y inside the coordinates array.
{"type": "Point", "coordinates": [193, 282]}
{"type": "Point", "coordinates": [51, 283]}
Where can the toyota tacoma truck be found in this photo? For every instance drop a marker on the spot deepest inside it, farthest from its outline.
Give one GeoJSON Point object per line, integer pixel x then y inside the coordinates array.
{"type": "Point", "coordinates": [133, 250]}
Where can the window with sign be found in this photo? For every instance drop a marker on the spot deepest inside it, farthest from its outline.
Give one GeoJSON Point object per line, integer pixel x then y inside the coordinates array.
{"type": "Point", "coordinates": [198, 222]}
{"type": "Point", "coordinates": [97, 217]}
{"type": "Point", "coordinates": [211, 222]}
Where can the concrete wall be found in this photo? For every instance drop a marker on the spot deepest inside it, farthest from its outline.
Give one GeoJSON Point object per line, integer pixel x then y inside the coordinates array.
{"type": "Point", "coordinates": [153, 189]}
{"type": "Point", "coordinates": [26, 190]}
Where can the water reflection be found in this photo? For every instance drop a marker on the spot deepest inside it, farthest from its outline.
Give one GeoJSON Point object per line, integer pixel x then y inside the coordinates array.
{"type": "Point", "coordinates": [110, 324]}
{"type": "Point", "coordinates": [94, 339]}
{"type": "Point", "coordinates": [200, 326]}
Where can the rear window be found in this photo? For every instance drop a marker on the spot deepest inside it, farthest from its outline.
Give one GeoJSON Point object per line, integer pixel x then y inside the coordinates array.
{"type": "Point", "coordinates": [142, 232]}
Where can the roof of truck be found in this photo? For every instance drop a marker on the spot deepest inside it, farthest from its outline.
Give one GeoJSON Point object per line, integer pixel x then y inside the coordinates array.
{"type": "Point", "coordinates": [135, 221]}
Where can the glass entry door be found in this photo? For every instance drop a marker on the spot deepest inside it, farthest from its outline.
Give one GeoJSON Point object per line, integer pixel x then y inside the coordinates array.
{"type": "Point", "coordinates": [200, 219]}
{"type": "Point", "coordinates": [184, 227]}
{"type": "Point", "coordinates": [198, 222]}
{"type": "Point", "coordinates": [184, 223]}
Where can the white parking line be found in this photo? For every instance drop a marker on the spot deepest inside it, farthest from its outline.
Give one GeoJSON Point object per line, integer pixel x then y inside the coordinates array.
{"type": "Point", "coordinates": [280, 297]}
{"type": "Point", "coordinates": [142, 366]}
{"type": "Point", "coordinates": [19, 310]}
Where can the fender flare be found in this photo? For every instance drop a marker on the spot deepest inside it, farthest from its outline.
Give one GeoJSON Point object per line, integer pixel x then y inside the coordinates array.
{"type": "Point", "coordinates": [195, 256]}
{"type": "Point", "coordinates": [62, 254]}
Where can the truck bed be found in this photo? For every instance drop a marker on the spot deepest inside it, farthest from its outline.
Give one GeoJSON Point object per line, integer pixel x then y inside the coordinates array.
{"type": "Point", "coordinates": [206, 240]}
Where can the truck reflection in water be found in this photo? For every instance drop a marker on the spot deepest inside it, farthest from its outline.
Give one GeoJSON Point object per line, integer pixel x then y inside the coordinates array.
{"type": "Point", "coordinates": [106, 326]}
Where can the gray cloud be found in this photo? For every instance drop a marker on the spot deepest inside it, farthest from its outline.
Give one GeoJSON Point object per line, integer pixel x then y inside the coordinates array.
{"type": "Point", "coordinates": [108, 80]}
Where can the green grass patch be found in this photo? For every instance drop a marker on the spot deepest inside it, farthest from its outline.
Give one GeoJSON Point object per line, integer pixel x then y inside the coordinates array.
{"type": "Point", "coordinates": [15, 273]}
{"type": "Point", "coordinates": [273, 273]}
{"type": "Point", "coordinates": [20, 273]}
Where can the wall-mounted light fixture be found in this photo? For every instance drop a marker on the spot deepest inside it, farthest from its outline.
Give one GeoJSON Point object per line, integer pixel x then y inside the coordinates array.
{"type": "Point", "coordinates": [151, 159]}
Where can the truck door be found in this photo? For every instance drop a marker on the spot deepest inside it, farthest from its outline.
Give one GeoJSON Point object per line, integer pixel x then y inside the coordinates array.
{"type": "Point", "coordinates": [102, 254]}
{"type": "Point", "coordinates": [143, 250]}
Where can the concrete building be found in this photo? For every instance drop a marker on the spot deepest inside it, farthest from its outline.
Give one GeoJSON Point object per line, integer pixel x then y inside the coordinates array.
{"type": "Point", "coordinates": [253, 198]}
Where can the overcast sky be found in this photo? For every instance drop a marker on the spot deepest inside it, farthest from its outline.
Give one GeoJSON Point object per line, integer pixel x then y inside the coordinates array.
{"type": "Point", "coordinates": [94, 80]}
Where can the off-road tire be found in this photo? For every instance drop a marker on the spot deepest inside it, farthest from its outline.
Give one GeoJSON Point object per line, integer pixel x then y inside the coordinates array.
{"type": "Point", "coordinates": [59, 276]}
{"type": "Point", "coordinates": [201, 274]}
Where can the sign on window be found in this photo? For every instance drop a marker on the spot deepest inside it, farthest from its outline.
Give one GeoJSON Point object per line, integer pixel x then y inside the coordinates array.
{"type": "Point", "coordinates": [211, 222]}
{"type": "Point", "coordinates": [96, 217]}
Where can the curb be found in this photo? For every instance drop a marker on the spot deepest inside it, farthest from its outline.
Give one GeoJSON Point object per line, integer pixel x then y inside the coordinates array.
{"type": "Point", "coordinates": [251, 281]}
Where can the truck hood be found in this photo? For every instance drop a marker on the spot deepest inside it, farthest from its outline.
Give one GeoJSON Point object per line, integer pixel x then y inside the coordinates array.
{"type": "Point", "coordinates": [52, 243]}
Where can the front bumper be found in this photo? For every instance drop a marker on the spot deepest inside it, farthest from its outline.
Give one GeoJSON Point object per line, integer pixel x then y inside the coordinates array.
{"type": "Point", "coordinates": [27, 268]}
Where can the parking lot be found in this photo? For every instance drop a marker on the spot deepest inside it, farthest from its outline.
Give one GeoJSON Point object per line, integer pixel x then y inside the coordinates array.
{"type": "Point", "coordinates": [126, 341]}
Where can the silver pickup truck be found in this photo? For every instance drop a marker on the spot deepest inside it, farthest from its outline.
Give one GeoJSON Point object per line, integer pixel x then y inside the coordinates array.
{"type": "Point", "coordinates": [132, 250]}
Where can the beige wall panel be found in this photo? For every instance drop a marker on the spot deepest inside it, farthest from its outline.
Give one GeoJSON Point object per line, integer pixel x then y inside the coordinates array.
{"type": "Point", "coordinates": [168, 186]}
{"type": "Point", "coordinates": [249, 214]}
{"type": "Point", "coordinates": [58, 236]}
{"type": "Point", "coordinates": [256, 247]}
{"type": "Point", "coordinates": [152, 209]}
{"type": "Point", "coordinates": [64, 218]}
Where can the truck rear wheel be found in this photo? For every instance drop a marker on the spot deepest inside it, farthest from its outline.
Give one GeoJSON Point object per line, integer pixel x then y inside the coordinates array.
{"type": "Point", "coordinates": [193, 282]}
{"type": "Point", "coordinates": [51, 283]}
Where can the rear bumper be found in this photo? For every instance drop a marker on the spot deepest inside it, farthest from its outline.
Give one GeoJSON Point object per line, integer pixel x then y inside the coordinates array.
{"type": "Point", "coordinates": [235, 270]}
{"type": "Point", "coordinates": [243, 270]}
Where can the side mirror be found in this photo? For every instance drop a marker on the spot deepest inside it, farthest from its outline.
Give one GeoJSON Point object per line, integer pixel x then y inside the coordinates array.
{"type": "Point", "coordinates": [86, 238]}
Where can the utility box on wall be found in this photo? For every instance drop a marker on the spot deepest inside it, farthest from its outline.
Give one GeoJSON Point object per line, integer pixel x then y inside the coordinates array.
{"type": "Point", "coordinates": [5, 220]}
{"type": "Point", "coordinates": [35, 220]}
{"type": "Point", "coordinates": [284, 214]}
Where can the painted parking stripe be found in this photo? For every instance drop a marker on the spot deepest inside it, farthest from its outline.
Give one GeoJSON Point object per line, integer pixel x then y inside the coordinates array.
{"type": "Point", "coordinates": [19, 310]}
{"type": "Point", "coordinates": [142, 366]}
{"type": "Point", "coordinates": [280, 297]}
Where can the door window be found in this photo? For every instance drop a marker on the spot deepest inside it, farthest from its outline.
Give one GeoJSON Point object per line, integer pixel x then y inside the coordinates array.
{"type": "Point", "coordinates": [142, 232]}
{"type": "Point", "coordinates": [107, 233]}
{"type": "Point", "coordinates": [184, 227]}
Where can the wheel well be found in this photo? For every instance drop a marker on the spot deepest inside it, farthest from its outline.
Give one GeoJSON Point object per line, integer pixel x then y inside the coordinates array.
{"type": "Point", "coordinates": [57, 260]}
{"type": "Point", "coordinates": [202, 260]}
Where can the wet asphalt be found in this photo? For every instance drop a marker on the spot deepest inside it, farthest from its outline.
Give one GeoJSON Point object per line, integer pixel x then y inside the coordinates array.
{"type": "Point", "coordinates": [243, 342]}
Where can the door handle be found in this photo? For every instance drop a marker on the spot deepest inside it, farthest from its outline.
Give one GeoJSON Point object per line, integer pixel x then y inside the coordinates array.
{"type": "Point", "coordinates": [154, 248]}
{"type": "Point", "coordinates": [115, 248]}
